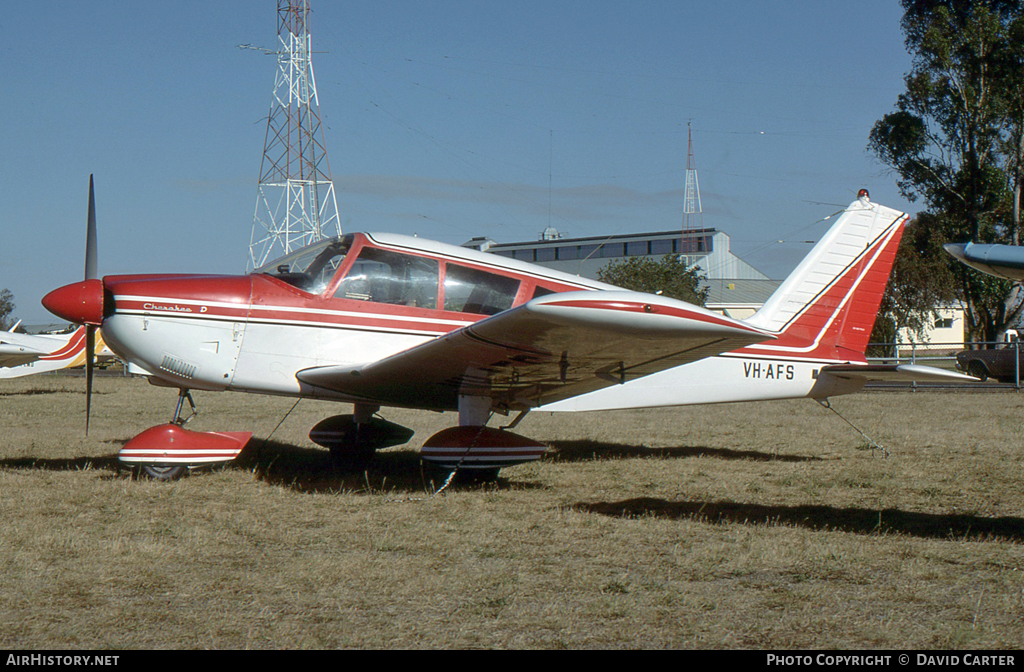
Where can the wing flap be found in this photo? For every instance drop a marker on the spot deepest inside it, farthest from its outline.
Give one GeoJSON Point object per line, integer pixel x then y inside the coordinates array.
{"type": "Point", "coordinates": [551, 348]}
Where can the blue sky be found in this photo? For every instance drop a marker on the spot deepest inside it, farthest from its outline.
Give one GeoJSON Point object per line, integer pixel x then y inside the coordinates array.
{"type": "Point", "coordinates": [444, 119]}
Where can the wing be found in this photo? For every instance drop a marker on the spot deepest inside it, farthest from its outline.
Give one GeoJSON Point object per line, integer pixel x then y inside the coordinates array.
{"type": "Point", "coordinates": [551, 348]}
{"type": "Point", "coordinates": [897, 373]}
{"type": "Point", "coordinates": [18, 349]}
{"type": "Point", "coordinates": [13, 355]}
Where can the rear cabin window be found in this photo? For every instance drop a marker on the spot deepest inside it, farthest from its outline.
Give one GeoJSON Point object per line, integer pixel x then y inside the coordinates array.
{"type": "Point", "coordinates": [382, 276]}
{"type": "Point", "coordinates": [468, 290]}
{"type": "Point", "coordinates": [542, 291]}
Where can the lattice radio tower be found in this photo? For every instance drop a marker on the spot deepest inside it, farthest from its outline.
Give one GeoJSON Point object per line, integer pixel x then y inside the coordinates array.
{"type": "Point", "coordinates": [693, 217]}
{"type": "Point", "coordinates": [295, 205]}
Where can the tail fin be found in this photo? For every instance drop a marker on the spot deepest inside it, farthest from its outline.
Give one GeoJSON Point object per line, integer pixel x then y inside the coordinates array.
{"type": "Point", "coordinates": [827, 307]}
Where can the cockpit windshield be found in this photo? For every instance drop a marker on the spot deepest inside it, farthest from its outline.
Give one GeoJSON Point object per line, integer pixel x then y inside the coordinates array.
{"type": "Point", "coordinates": [311, 268]}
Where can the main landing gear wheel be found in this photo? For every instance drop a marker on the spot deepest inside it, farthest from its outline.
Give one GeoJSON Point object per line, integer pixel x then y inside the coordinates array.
{"type": "Point", "coordinates": [476, 453]}
{"type": "Point", "coordinates": [477, 476]}
{"type": "Point", "coordinates": [352, 458]}
{"type": "Point", "coordinates": [355, 439]}
{"type": "Point", "coordinates": [462, 476]}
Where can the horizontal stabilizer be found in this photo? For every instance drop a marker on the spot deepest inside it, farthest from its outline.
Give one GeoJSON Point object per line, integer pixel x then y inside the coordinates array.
{"type": "Point", "coordinates": [897, 373]}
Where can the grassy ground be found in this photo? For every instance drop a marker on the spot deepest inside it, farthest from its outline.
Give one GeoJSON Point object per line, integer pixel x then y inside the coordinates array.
{"type": "Point", "coordinates": [760, 525]}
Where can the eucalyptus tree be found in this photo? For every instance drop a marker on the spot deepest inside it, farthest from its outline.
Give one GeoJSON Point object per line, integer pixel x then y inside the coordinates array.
{"type": "Point", "coordinates": [955, 139]}
{"type": "Point", "coordinates": [6, 308]}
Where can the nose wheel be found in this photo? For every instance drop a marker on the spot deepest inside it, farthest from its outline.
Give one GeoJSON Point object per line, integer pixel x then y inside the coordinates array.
{"type": "Point", "coordinates": [163, 473]}
{"type": "Point", "coordinates": [169, 472]}
{"type": "Point", "coordinates": [169, 451]}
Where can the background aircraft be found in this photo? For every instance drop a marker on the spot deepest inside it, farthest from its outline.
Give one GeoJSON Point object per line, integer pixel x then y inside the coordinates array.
{"type": "Point", "coordinates": [1002, 261]}
{"type": "Point", "coordinates": [382, 320]}
{"type": "Point", "coordinates": [26, 354]}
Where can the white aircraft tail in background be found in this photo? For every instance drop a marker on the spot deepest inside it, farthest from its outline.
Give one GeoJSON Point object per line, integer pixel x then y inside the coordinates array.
{"type": "Point", "coordinates": [822, 316]}
{"type": "Point", "coordinates": [26, 354]}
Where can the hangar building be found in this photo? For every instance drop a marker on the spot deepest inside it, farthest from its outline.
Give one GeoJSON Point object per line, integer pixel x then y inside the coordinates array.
{"type": "Point", "coordinates": [736, 288]}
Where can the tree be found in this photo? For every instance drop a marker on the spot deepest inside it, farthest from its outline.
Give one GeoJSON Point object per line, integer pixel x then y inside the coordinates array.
{"type": "Point", "coordinates": [668, 277]}
{"type": "Point", "coordinates": [920, 282]}
{"type": "Point", "coordinates": [955, 139]}
{"type": "Point", "coordinates": [6, 308]}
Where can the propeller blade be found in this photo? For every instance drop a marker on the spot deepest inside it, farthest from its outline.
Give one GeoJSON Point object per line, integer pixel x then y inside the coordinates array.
{"type": "Point", "coordinates": [90, 237]}
{"type": "Point", "coordinates": [90, 273]}
{"type": "Point", "coordinates": [90, 352]}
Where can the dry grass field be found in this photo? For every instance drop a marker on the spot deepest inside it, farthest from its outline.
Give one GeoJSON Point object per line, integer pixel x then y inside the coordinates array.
{"type": "Point", "coordinates": [736, 526]}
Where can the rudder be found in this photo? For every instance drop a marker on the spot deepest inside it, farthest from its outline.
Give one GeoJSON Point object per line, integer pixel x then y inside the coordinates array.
{"type": "Point", "coordinates": [827, 307]}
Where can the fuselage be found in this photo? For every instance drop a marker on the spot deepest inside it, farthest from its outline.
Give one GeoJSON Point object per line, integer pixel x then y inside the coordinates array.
{"type": "Point", "coordinates": [381, 295]}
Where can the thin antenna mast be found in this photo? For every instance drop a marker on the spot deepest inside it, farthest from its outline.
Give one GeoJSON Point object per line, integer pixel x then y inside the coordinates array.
{"type": "Point", "coordinates": [693, 217]}
{"type": "Point", "coordinates": [295, 203]}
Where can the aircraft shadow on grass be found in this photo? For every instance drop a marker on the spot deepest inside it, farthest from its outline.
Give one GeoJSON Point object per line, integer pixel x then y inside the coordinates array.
{"type": "Point", "coordinates": [586, 450]}
{"type": "Point", "coordinates": [105, 462]}
{"type": "Point", "coordinates": [32, 391]}
{"type": "Point", "coordinates": [305, 470]}
{"type": "Point", "coordinates": [960, 527]}
{"type": "Point", "coordinates": [308, 470]}
{"type": "Point", "coordinates": [311, 470]}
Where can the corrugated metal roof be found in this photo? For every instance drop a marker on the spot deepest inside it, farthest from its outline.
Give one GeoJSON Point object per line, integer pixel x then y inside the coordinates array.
{"type": "Point", "coordinates": [751, 293]}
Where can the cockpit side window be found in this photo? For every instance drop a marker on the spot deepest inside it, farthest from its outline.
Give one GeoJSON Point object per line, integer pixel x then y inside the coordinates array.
{"type": "Point", "coordinates": [311, 268]}
{"type": "Point", "coordinates": [469, 290]}
{"type": "Point", "coordinates": [383, 276]}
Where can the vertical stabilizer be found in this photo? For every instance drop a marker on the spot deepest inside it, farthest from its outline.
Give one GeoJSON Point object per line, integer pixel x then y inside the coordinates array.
{"type": "Point", "coordinates": [828, 305]}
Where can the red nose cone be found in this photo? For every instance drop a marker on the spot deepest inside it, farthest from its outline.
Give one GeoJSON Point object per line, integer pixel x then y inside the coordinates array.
{"type": "Point", "coordinates": [81, 302]}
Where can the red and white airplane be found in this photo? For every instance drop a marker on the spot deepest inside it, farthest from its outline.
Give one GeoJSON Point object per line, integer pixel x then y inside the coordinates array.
{"type": "Point", "coordinates": [381, 320]}
{"type": "Point", "coordinates": [27, 354]}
